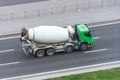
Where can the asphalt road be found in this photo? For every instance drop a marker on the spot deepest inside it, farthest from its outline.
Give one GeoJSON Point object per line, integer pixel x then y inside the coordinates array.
{"type": "Point", "coordinates": [16, 2]}
{"type": "Point", "coordinates": [106, 48]}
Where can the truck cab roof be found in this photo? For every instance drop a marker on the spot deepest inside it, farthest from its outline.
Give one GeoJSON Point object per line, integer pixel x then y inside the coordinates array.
{"type": "Point", "coordinates": [82, 27]}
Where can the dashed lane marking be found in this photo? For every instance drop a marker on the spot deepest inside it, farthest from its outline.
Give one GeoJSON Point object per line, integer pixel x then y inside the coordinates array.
{"type": "Point", "coordinates": [9, 50]}
{"type": "Point", "coordinates": [96, 37]}
{"type": "Point", "coordinates": [6, 64]}
{"type": "Point", "coordinates": [99, 50]}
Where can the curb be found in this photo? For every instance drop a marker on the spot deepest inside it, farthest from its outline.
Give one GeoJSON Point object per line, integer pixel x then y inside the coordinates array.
{"type": "Point", "coordinates": [95, 24]}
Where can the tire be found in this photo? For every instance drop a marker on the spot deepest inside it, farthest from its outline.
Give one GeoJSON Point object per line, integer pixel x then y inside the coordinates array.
{"type": "Point", "coordinates": [69, 49]}
{"type": "Point", "coordinates": [39, 53]}
{"type": "Point", "coordinates": [50, 52]}
{"type": "Point", "coordinates": [83, 47]}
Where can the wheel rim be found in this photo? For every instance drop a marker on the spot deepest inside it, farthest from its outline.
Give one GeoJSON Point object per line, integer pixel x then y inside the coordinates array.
{"type": "Point", "coordinates": [50, 52]}
{"type": "Point", "coordinates": [40, 53]}
{"type": "Point", "coordinates": [84, 46]}
{"type": "Point", "coordinates": [69, 49]}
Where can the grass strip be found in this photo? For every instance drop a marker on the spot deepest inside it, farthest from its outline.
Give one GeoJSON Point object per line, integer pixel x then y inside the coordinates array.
{"type": "Point", "coordinates": [109, 74]}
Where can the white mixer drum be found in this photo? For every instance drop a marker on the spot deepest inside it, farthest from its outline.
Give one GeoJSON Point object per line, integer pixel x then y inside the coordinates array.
{"type": "Point", "coordinates": [48, 34]}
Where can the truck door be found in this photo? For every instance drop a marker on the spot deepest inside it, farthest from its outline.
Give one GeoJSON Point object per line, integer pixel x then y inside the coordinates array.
{"type": "Point", "coordinates": [88, 37]}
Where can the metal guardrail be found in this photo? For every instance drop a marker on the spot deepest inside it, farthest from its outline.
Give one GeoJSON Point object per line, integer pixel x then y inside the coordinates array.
{"type": "Point", "coordinates": [56, 10]}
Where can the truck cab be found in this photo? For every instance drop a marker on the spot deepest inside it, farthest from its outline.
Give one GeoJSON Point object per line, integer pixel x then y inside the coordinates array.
{"type": "Point", "coordinates": [84, 36]}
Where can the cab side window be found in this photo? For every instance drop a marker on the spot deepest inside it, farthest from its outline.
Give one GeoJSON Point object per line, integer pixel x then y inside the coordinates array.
{"type": "Point", "coordinates": [88, 34]}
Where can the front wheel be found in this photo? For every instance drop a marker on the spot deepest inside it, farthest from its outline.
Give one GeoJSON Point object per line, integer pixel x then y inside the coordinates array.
{"type": "Point", "coordinates": [83, 46]}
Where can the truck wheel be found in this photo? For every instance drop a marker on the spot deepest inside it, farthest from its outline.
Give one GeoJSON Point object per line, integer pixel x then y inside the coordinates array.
{"type": "Point", "coordinates": [39, 53]}
{"type": "Point", "coordinates": [50, 52]}
{"type": "Point", "coordinates": [83, 47]}
{"type": "Point", "coordinates": [69, 49]}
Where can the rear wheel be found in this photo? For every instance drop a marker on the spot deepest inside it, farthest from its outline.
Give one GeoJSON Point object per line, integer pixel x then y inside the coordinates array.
{"type": "Point", "coordinates": [69, 49]}
{"type": "Point", "coordinates": [39, 53]}
{"type": "Point", "coordinates": [50, 52]}
{"type": "Point", "coordinates": [83, 47]}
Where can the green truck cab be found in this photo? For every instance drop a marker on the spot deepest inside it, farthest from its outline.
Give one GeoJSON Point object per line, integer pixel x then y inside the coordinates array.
{"type": "Point", "coordinates": [84, 36]}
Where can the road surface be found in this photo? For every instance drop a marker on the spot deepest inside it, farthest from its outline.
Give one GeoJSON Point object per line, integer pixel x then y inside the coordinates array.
{"type": "Point", "coordinates": [16, 2]}
{"type": "Point", "coordinates": [106, 48]}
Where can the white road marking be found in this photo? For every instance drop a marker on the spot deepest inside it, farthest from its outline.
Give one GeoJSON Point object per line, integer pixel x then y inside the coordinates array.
{"type": "Point", "coordinates": [96, 50]}
{"type": "Point", "coordinates": [9, 38]}
{"type": "Point", "coordinates": [104, 24]}
{"type": "Point", "coordinates": [9, 50]}
{"type": "Point", "coordinates": [62, 71]}
{"type": "Point", "coordinates": [6, 64]}
{"type": "Point", "coordinates": [96, 37]}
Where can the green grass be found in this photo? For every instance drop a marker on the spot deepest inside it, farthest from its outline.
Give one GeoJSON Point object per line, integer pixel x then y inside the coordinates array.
{"type": "Point", "coordinates": [110, 74]}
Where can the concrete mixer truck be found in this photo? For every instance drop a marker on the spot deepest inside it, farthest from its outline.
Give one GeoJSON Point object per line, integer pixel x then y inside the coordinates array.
{"type": "Point", "coordinates": [48, 40]}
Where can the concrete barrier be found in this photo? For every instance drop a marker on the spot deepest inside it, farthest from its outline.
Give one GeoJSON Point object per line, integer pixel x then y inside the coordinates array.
{"type": "Point", "coordinates": [40, 9]}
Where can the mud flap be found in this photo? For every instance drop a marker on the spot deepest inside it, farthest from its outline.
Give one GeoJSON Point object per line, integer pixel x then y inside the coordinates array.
{"type": "Point", "coordinates": [25, 47]}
